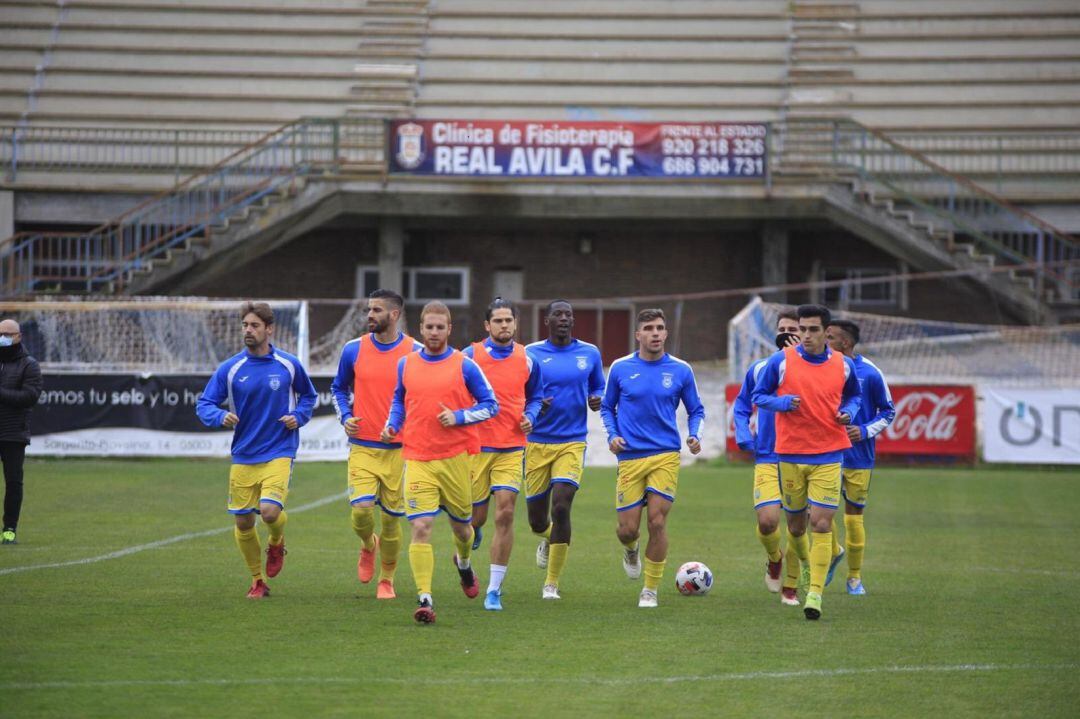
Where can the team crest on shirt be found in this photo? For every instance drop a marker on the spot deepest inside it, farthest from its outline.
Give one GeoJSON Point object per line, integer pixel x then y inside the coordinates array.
{"type": "Point", "coordinates": [669, 380]}
{"type": "Point", "coordinates": [582, 363]}
{"type": "Point", "coordinates": [275, 382]}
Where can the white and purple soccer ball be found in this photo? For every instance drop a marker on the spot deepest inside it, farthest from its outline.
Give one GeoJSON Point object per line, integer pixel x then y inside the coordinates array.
{"type": "Point", "coordinates": [693, 579]}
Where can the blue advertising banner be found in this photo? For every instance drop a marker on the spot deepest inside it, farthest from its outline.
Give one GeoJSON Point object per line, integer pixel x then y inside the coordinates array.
{"type": "Point", "coordinates": [495, 148]}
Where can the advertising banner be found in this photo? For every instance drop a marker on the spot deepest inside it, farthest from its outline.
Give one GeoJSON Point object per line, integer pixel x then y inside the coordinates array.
{"type": "Point", "coordinates": [152, 416]}
{"type": "Point", "coordinates": [931, 420]}
{"type": "Point", "coordinates": [1031, 426]}
{"type": "Point", "coordinates": [497, 148]}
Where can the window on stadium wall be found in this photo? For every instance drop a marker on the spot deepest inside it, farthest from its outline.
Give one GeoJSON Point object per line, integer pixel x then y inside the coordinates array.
{"type": "Point", "coordinates": [420, 284]}
{"type": "Point", "coordinates": [608, 327]}
{"type": "Point", "coordinates": [884, 294]}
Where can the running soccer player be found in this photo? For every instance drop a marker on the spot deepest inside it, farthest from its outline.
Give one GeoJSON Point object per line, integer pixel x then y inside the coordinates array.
{"type": "Point", "coordinates": [814, 392]}
{"type": "Point", "coordinates": [876, 412]}
{"type": "Point", "coordinates": [269, 397]}
{"type": "Point", "coordinates": [643, 391]}
{"type": "Point", "coordinates": [766, 474]}
{"type": "Point", "coordinates": [440, 394]}
{"type": "Point", "coordinates": [498, 468]}
{"type": "Point", "coordinates": [555, 454]}
{"type": "Point", "coordinates": [368, 371]}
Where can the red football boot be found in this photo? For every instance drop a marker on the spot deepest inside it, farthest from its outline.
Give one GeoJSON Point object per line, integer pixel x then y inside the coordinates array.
{"type": "Point", "coordinates": [275, 559]}
{"type": "Point", "coordinates": [258, 590]}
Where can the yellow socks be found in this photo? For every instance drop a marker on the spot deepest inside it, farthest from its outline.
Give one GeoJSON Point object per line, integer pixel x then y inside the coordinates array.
{"type": "Point", "coordinates": [798, 550]}
{"type": "Point", "coordinates": [248, 542]}
{"type": "Point", "coordinates": [856, 543]}
{"type": "Point", "coordinates": [771, 542]}
{"type": "Point", "coordinates": [820, 558]}
{"type": "Point", "coordinates": [546, 534]}
{"type": "Point", "coordinates": [363, 523]}
{"type": "Point", "coordinates": [556, 562]}
{"type": "Point", "coordinates": [277, 528]}
{"type": "Point", "coordinates": [654, 572]}
{"type": "Point", "coordinates": [422, 563]}
{"type": "Point", "coordinates": [389, 546]}
{"type": "Point", "coordinates": [464, 548]}
{"type": "Point", "coordinates": [835, 537]}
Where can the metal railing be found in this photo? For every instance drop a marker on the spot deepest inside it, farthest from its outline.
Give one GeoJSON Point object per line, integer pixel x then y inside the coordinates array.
{"type": "Point", "coordinates": [104, 257]}
{"type": "Point", "coordinates": [173, 152]}
{"type": "Point", "coordinates": [957, 206]}
{"type": "Point", "coordinates": [238, 175]}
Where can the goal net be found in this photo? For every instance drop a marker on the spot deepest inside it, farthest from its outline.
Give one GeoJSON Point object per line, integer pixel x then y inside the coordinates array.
{"type": "Point", "coordinates": [154, 335]}
{"type": "Point", "coordinates": [927, 351]}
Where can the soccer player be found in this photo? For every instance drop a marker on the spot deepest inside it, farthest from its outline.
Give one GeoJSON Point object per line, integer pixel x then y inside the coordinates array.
{"type": "Point", "coordinates": [643, 391]}
{"type": "Point", "coordinates": [814, 392]}
{"type": "Point", "coordinates": [269, 398]}
{"type": "Point", "coordinates": [555, 454]}
{"type": "Point", "coordinates": [440, 393]}
{"type": "Point", "coordinates": [498, 468]}
{"type": "Point", "coordinates": [368, 370]}
{"type": "Point", "coordinates": [766, 474]}
{"type": "Point", "coordinates": [876, 412]}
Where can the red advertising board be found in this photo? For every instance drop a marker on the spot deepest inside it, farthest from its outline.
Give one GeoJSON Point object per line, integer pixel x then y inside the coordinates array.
{"type": "Point", "coordinates": [931, 420]}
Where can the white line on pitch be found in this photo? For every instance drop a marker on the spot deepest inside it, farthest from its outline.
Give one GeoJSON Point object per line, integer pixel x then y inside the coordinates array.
{"type": "Point", "coordinates": [161, 542]}
{"type": "Point", "coordinates": [1021, 570]}
{"type": "Point", "coordinates": [601, 681]}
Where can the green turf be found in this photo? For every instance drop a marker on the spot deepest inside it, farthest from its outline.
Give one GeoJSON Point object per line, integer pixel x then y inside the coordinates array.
{"type": "Point", "coordinates": [972, 609]}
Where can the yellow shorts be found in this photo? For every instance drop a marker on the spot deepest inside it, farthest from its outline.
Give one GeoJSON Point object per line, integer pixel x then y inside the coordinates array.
{"type": "Point", "coordinates": [548, 464]}
{"type": "Point", "coordinates": [766, 485]}
{"type": "Point", "coordinates": [250, 484]}
{"type": "Point", "coordinates": [493, 471]}
{"type": "Point", "coordinates": [656, 474]}
{"type": "Point", "coordinates": [856, 486]}
{"type": "Point", "coordinates": [375, 475]}
{"type": "Point", "coordinates": [439, 484]}
{"type": "Point", "coordinates": [818, 484]}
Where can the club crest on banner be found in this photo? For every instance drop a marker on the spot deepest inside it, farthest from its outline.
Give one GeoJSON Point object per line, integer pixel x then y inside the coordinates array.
{"type": "Point", "coordinates": [410, 146]}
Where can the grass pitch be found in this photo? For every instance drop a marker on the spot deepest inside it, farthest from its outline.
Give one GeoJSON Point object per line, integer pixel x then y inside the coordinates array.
{"type": "Point", "coordinates": [971, 610]}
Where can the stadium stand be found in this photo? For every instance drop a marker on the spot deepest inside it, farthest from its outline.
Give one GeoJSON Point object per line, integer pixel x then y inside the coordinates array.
{"type": "Point", "coordinates": [86, 85]}
{"type": "Point", "coordinates": [254, 63]}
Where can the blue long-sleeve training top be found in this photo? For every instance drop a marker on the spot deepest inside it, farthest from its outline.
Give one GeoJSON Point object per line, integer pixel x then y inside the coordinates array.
{"type": "Point", "coordinates": [876, 412]}
{"type": "Point", "coordinates": [772, 377]}
{"type": "Point", "coordinates": [763, 444]}
{"type": "Point", "coordinates": [486, 405]}
{"type": "Point", "coordinates": [640, 402]}
{"type": "Point", "coordinates": [534, 386]}
{"type": "Point", "coordinates": [572, 373]}
{"type": "Point", "coordinates": [259, 390]}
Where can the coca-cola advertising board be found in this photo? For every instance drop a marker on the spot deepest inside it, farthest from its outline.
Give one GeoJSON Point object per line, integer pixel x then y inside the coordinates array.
{"type": "Point", "coordinates": [931, 421]}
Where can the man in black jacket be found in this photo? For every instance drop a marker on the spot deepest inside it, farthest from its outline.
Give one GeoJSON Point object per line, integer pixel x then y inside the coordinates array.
{"type": "Point", "coordinates": [20, 387]}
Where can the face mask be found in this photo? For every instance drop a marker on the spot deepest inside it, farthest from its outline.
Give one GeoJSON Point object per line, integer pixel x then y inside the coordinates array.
{"type": "Point", "coordinates": [6, 341]}
{"type": "Point", "coordinates": [782, 339]}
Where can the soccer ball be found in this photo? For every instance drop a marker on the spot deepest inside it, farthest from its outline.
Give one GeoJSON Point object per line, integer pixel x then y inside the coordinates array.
{"type": "Point", "coordinates": [693, 578]}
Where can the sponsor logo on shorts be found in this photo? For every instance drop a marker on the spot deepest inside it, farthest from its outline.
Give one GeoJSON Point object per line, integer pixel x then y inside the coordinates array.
{"type": "Point", "coordinates": [757, 494]}
{"type": "Point", "coordinates": [828, 499]}
{"type": "Point", "coordinates": [412, 504]}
